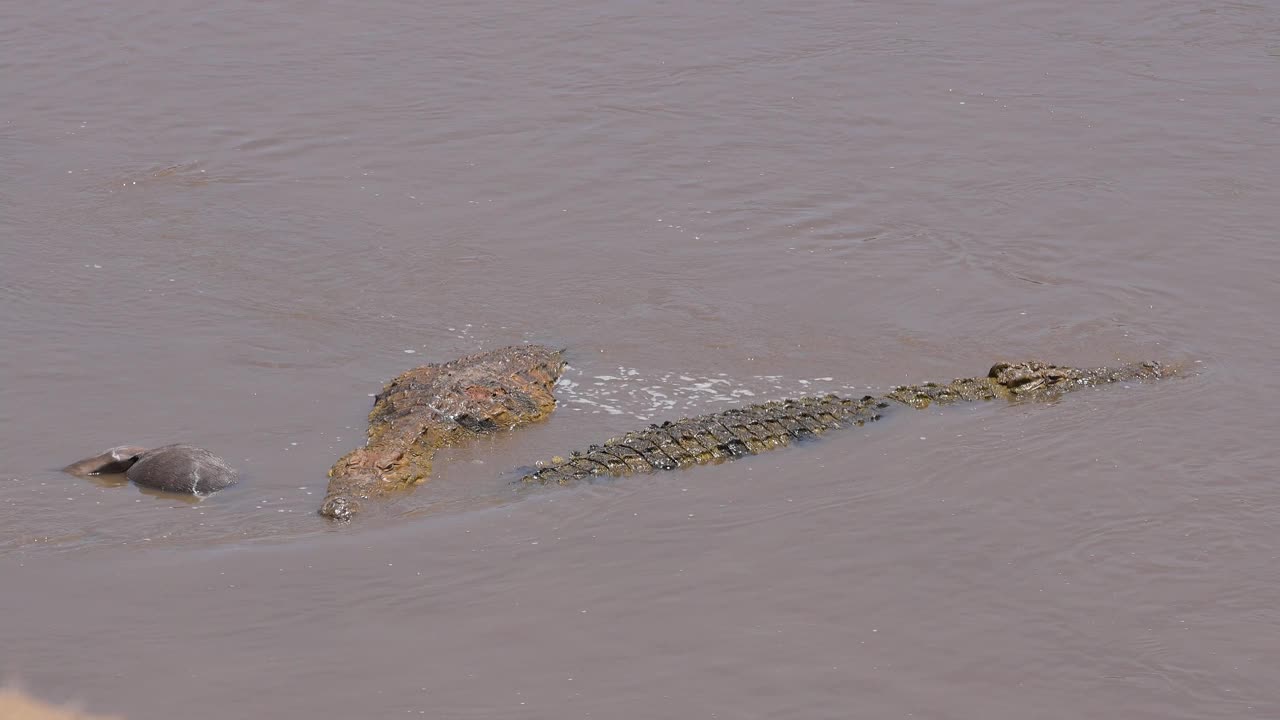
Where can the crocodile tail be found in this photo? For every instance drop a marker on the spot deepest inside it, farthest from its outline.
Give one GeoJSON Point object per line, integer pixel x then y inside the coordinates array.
{"type": "Point", "coordinates": [705, 439]}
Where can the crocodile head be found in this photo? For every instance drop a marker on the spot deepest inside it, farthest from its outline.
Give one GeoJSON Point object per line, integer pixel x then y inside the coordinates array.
{"type": "Point", "coordinates": [1039, 380]}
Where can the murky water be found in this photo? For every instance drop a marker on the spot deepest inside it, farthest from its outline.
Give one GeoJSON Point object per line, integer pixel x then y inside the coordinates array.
{"type": "Point", "coordinates": [229, 223]}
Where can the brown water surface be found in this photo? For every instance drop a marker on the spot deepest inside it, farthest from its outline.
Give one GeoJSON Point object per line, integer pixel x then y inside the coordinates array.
{"type": "Point", "coordinates": [229, 223]}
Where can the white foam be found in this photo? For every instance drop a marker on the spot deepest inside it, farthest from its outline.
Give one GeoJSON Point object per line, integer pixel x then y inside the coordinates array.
{"type": "Point", "coordinates": [668, 395]}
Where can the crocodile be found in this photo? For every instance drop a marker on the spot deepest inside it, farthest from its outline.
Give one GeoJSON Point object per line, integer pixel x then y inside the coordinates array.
{"type": "Point", "coordinates": [438, 405]}
{"type": "Point", "coordinates": [745, 431]}
{"type": "Point", "coordinates": [450, 403]}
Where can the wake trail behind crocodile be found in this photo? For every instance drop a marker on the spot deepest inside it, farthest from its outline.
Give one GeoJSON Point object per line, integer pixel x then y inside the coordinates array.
{"type": "Point", "coordinates": [628, 391]}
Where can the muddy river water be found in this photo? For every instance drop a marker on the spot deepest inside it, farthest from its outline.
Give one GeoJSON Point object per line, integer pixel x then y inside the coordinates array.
{"type": "Point", "coordinates": [229, 223]}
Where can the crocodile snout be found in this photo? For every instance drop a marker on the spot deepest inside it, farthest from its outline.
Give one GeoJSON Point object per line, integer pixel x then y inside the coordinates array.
{"type": "Point", "coordinates": [339, 507]}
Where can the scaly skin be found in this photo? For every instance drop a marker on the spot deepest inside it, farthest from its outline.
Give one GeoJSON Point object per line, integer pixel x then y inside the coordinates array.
{"type": "Point", "coordinates": [749, 430]}
{"type": "Point", "coordinates": [437, 405]}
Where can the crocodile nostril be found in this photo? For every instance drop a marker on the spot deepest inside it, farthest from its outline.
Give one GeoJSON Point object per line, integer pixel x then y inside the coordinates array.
{"type": "Point", "coordinates": [338, 507]}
